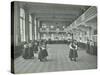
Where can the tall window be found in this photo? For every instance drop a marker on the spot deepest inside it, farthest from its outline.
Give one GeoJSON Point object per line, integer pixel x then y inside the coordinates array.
{"type": "Point", "coordinates": [30, 26]}
{"type": "Point", "coordinates": [22, 24]}
{"type": "Point", "coordinates": [35, 28]}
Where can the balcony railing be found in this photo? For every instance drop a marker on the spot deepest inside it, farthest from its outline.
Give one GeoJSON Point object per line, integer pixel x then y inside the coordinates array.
{"type": "Point", "coordinates": [52, 30]}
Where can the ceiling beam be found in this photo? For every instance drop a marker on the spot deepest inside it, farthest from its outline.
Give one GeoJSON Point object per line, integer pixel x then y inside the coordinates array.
{"type": "Point", "coordinates": [55, 19]}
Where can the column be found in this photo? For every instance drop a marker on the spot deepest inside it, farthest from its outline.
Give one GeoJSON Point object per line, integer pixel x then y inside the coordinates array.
{"type": "Point", "coordinates": [17, 37]}
{"type": "Point", "coordinates": [33, 27]}
{"type": "Point", "coordinates": [38, 30]}
{"type": "Point", "coordinates": [26, 24]}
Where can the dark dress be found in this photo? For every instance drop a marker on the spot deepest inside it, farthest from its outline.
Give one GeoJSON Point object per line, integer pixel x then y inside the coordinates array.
{"type": "Point", "coordinates": [35, 48]}
{"type": "Point", "coordinates": [73, 53]}
{"type": "Point", "coordinates": [31, 54]}
{"type": "Point", "coordinates": [88, 47]}
{"type": "Point", "coordinates": [26, 53]}
{"type": "Point", "coordinates": [42, 54]}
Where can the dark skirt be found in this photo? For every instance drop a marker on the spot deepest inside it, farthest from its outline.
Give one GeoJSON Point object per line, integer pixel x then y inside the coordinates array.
{"type": "Point", "coordinates": [26, 53]}
{"type": "Point", "coordinates": [31, 54]}
{"type": "Point", "coordinates": [42, 54]}
{"type": "Point", "coordinates": [73, 54]}
{"type": "Point", "coordinates": [35, 49]}
{"type": "Point", "coordinates": [88, 48]}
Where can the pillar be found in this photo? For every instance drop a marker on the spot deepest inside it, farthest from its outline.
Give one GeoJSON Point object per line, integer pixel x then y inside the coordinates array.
{"type": "Point", "coordinates": [17, 36]}
{"type": "Point", "coordinates": [38, 30]}
{"type": "Point", "coordinates": [26, 24]}
{"type": "Point", "coordinates": [33, 27]}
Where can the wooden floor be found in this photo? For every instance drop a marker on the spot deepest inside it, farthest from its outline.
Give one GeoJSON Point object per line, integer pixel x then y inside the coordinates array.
{"type": "Point", "coordinates": [57, 61]}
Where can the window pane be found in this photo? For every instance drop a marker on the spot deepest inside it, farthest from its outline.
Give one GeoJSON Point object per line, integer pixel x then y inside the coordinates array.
{"type": "Point", "coordinates": [21, 32]}
{"type": "Point", "coordinates": [22, 24]}
{"type": "Point", "coordinates": [30, 18]}
{"type": "Point", "coordinates": [30, 31]}
{"type": "Point", "coordinates": [30, 26]}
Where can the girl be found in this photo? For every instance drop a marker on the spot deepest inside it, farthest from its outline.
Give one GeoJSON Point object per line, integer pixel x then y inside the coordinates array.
{"type": "Point", "coordinates": [73, 51]}
{"type": "Point", "coordinates": [43, 53]}
{"type": "Point", "coordinates": [26, 51]}
{"type": "Point", "coordinates": [31, 54]}
{"type": "Point", "coordinates": [35, 49]}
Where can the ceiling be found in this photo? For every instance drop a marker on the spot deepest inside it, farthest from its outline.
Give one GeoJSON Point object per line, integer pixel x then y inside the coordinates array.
{"type": "Point", "coordinates": [55, 12]}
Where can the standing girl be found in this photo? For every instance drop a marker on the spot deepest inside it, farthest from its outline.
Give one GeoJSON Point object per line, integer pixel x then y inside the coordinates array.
{"type": "Point", "coordinates": [43, 52]}
{"type": "Point", "coordinates": [73, 51]}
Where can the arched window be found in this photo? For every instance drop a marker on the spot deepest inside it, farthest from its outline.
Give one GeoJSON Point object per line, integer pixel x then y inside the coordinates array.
{"type": "Point", "coordinates": [22, 24]}
{"type": "Point", "coordinates": [30, 26]}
